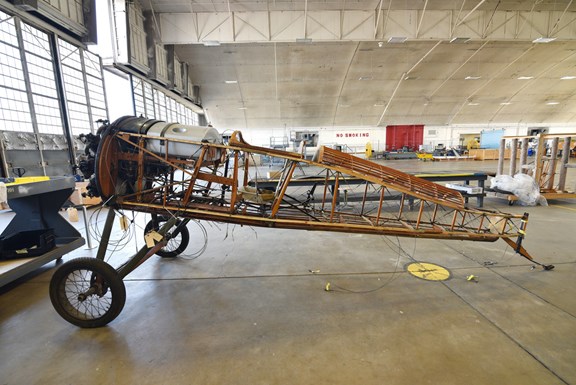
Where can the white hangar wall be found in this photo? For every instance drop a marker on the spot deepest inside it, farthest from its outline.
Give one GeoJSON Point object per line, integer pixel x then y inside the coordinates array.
{"type": "Point", "coordinates": [356, 137]}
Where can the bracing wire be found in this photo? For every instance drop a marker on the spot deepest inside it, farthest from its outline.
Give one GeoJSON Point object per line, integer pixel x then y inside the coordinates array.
{"type": "Point", "coordinates": [203, 245]}
{"type": "Point", "coordinates": [114, 244]}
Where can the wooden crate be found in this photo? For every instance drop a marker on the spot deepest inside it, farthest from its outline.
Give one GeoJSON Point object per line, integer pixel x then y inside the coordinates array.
{"type": "Point", "coordinates": [488, 154]}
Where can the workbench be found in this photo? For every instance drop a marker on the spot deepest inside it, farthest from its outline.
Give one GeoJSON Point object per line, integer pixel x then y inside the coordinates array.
{"type": "Point", "coordinates": [479, 177]}
{"type": "Point", "coordinates": [37, 206]}
{"type": "Point", "coordinates": [464, 177]}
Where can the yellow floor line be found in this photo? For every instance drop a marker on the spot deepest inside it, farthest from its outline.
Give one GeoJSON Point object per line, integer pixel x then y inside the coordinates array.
{"type": "Point", "coordinates": [564, 207]}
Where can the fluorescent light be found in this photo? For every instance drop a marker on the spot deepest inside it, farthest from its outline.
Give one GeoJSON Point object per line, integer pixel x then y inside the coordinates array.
{"type": "Point", "coordinates": [552, 103]}
{"type": "Point", "coordinates": [304, 40]}
{"type": "Point", "coordinates": [211, 43]}
{"type": "Point", "coordinates": [525, 77]}
{"type": "Point", "coordinates": [379, 105]}
{"type": "Point", "coordinates": [397, 39]}
{"type": "Point", "coordinates": [473, 104]}
{"type": "Point", "coordinates": [365, 78]}
{"type": "Point", "coordinates": [231, 81]}
{"type": "Point", "coordinates": [544, 40]}
{"type": "Point", "coordinates": [242, 108]}
{"type": "Point", "coordinates": [459, 40]}
{"type": "Point", "coordinates": [472, 77]}
{"type": "Point", "coordinates": [505, 103]}
{"type": "Point", "coordinates": [567, 77]}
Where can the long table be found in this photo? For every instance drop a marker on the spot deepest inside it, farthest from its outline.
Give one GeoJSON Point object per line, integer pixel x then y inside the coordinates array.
{"type": "Point", "coordinates": [479, 177]}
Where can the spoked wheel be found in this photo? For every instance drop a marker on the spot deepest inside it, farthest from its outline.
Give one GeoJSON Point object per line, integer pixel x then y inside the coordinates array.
{"type": "Point", "coordinates": [87, 292]}
{"type": "Point", "coordinates": [177, 240]}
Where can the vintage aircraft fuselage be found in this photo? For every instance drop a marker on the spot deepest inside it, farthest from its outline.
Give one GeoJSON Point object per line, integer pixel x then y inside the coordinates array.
{"type": "Point", "coordinates": [153, 166]}
{"type": "Point", "coordinates": [178, 173]}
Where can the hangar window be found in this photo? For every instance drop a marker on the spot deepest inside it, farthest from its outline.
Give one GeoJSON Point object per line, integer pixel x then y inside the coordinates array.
{"type": "Point", "coordinates": [149, 97]}
{"type": "Point", "coordinates": [153, 102]}
{"type": "Point", "coordinates": [74, 87]}
{"type": "Point", "coordinates": [83, 86]}
{"type": "Point", "coordinates": [170, 110]}
{"type": "Point", "coordinates": [139, 100]}
{"type": "Point", "coordinates": [95, 87]}
{"type": "Point", "coordinates": [160, 105]}
{"type": "Point", "coordinates": [14, 107]}
{"type": "Point", "coordinates": [51, 90]}
{"type": "Point", "coordinates": [40, 66]}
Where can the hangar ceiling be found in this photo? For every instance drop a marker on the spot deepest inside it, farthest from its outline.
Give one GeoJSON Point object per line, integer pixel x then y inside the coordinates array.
{"type": "Point", "coordinates": [298, 63]}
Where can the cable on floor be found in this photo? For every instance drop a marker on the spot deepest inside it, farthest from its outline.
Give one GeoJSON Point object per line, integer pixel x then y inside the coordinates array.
{"type": "Point", "coordinates": [330, 287]}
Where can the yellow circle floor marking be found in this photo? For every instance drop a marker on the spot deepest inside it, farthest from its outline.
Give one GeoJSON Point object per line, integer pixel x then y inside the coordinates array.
{"type": "Point", "coordinates": [428, 271]}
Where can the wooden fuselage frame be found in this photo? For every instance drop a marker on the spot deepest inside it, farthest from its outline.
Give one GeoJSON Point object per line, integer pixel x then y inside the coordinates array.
{"type": "Point", "coordinates": [215, 191]}
{"type": "Point", "coordinates": [216, 182]}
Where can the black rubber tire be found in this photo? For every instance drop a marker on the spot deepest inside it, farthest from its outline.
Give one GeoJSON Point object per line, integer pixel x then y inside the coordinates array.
{"type": "Point", "coordinates": [178, 240]}
{"type": "Point", "coordinates": [73, 279]}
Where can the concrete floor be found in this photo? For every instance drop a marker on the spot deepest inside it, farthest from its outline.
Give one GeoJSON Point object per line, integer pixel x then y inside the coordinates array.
{"type": "Point", "coordinates": [249, 311]}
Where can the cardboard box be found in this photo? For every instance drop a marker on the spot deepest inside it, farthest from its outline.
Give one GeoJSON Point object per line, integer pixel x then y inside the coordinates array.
{"type": "Point", "coordinates": [77, 197]}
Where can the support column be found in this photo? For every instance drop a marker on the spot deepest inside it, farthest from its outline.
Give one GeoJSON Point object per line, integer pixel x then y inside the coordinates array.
{"type": "Point", "coordinates": [553, 157]}
{"type": "Point", "coordinates": [564, 162]}
{"type": "Point", "coordinates": [523, 154]}
{"type": "Point", "coordinates": [501, 157]}
{"type": "Point", "coordinates": [513, 152]}
{"type": "Point", "coordinates": [539, 160]}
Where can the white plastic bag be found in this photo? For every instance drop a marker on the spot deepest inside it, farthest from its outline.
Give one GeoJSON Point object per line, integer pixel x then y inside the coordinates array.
{"type": "Point", "coordinates": [523, 186]}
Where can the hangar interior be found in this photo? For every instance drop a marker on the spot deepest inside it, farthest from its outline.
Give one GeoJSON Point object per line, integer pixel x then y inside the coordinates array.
{"type": "Point", "coordinates": [445, 101]}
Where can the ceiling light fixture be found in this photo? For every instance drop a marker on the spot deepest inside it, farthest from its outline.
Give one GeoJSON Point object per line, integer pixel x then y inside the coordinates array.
{"type": "Point", "coordinates": [459, 40]}
{"type": "Point", "coordinates": [365, 78]}
{"type": "Point", "coordinates": [544, 40]}
{"type": "Point", "coordinates": [473, 104]}
{"type": "Point", "coordinates": [472, 77]}
{"type": "Point", "coordinates": [211, 43]}
{"type": "Point", "coordinates": [525, 77]}
{"type": "Point", "coordinates": [242, 108]}
{"type": "Point", "coordinates": [552, 103]}
{"type": "Point", "coordinates": [231, 81]}
{"type": "Point", "coordinates": [568, 77]}
{"type": "Point", "coordinates": [305, 40]}
{"type": "Point", "coordinates": [505, 103]}
{"type": "Point", "coordinates": [397, 39]}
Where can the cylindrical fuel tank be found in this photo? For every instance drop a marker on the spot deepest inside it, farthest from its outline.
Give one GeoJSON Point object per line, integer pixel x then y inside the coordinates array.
{"type": "Point", "coordinates": [171, 136]}
{"type": "Point", "coordinates": [180, 133]}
